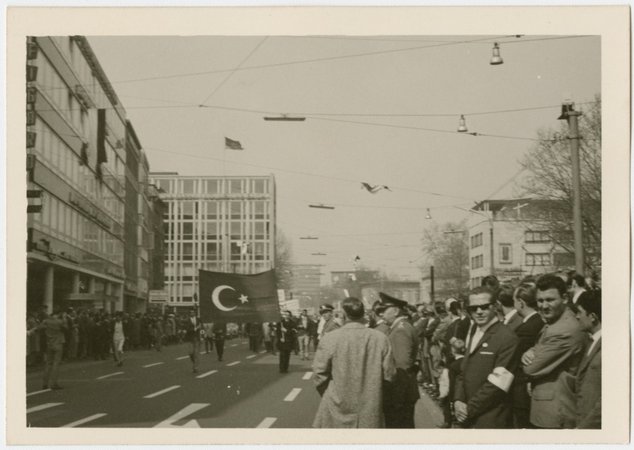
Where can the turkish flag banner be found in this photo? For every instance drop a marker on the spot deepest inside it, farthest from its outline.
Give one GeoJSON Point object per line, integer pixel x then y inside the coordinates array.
{"type": "Point", "coordinates": [233, 297]}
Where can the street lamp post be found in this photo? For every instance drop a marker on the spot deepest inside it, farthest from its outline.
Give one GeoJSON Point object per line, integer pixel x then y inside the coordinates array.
{"type": "Point", "coordinates": [570, 115]}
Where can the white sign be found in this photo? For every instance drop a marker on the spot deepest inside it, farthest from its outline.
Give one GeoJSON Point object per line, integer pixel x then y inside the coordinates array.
{"type": "Point", "coordinates": [159, 296]}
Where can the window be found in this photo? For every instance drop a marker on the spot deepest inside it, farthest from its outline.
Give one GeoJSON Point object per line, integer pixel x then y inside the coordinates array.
{"type": "Point", "coordinates": [258, 210]}
{"type": "Point", "coordinates": [236, 251]}
{"type": "Point", "coordinates": [211, 231]}
{"type": "Point", "coordinates": [187, 186]}
{"type": "Point", "coordinates": [258, 186]}
{"type": "Point", "coordinates": [212, 210]}
{"type": "Point", "coordinates": [236, 230]}
{"type": "Point", "coordinates": [211, 186]}
{"type": "Point", "coordinates": [258, 231]}
{"type": "Point", "coordinates": [236, 210]}
{"type": "Point", "coordinates": [537, 236]}
{"type": "Point", "coordinates": [187, 210]}
{"type": "Point", "coordinates": [258, 250]}
{"type": "Point", "coordinates": [476, 240]}
{"type": "Point", "coordinates": [188, 231]}
{"type": "Point", "coordinates": [538, 259]}
{"type": "Point", "coordinates": [211, 252]}
{"type": "Point", "coordinates": [235, 186]}
{"type": "Point", "coordinates": [477, 261]}
{"type": "Point", "coordinates": [564, 259]}
{"type": "Point", "coordinates": [188, 251]}
{"type": "Point", "coordinates": [505, 254]}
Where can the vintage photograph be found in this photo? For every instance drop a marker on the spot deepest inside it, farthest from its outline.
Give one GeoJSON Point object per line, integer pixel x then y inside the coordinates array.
{"type": "Point", "coordinates": [364, 230]}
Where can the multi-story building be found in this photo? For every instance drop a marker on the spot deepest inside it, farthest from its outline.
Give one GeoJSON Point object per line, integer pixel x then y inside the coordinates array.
{"type": "Point", "coordinates": [224, 224]}
{"type": "Point", "coordinates": [511, 239]}
{"type": "Point", "coordinates": [76, 175]}
{"type": "Point", "coordinates": [305, 284]}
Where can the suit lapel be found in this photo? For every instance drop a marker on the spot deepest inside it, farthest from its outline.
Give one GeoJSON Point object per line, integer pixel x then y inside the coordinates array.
{"type": "Point", "coordinates": [486, 336]}
{"type": "Point", "coordinates": [587, 358]}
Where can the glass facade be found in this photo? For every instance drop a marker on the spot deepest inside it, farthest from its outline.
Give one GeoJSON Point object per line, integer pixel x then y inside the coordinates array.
{"type": "Point", "coordinates": [214, 223]}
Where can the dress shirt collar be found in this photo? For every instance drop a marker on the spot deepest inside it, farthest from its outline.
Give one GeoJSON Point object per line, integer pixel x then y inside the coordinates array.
{"type": "Point", "coordinates": [529, 316]}
{"type": "Point", "coordinates": [508, 316]}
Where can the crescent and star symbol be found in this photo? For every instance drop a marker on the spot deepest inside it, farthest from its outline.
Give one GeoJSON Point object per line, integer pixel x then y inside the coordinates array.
{"type": "Point", "coordinates": [215, 298]}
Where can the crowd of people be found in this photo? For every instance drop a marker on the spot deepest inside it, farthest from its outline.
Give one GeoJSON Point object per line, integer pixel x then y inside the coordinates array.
{"type": "Point", "coordinates": [523, 355]}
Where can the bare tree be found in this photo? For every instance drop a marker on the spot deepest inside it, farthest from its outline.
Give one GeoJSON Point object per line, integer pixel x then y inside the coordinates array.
{"type": "Point", "coordinates": [550, 177]}
{"type": "Point", "coordinates": [445, 247]}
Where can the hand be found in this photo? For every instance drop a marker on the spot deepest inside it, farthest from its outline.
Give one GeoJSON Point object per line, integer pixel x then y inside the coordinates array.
{"type": "Point", "coordinates": [528, 357]}
{"type": "Point", "coordinates": [460, 409]}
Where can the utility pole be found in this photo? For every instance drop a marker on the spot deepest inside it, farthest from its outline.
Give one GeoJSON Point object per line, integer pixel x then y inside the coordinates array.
{"type": "Point", "coordinates": [570, 115]}
{"type": "Point", "coordinates": [431, 277]}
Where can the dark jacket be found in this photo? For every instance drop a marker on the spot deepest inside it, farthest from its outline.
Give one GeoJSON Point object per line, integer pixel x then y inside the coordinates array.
{"type": "Point", "coordinates": [488, 406]}
{"type": "Point", "coordinates": [192, 331]}
{"type": "Point", "coordinates": [588, 390]}
{"type": "Point", "coordinates": [527, 334]}
{"type": "Point", "coordinates": [286, 333]}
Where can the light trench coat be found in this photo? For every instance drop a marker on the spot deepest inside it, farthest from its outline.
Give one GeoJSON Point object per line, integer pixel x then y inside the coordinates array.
{"type": "Point", "coordinates": [351, 365]}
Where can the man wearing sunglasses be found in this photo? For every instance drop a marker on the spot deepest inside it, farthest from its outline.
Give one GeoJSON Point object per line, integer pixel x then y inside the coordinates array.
{"type": "Point", "coordinates": [481, 395]}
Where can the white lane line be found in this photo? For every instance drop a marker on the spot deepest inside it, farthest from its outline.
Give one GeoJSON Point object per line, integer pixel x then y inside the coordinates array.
{"type": "Point", "coordinates": [43, 406]}
{"type": "Point", "coordinates": [263, 351]}
{"type": "Point", "coordinates": [234, 345]}
{"type": "Point", "coordinates": [291, 396]}
{"type": "Point", "coordinates": [206, 374]}
{"type": "Point", "coordinates": [37, 392]}
{"type": "Point", "coordinates": [156, 394]}
{"type": "Point", "coordinates": [233, 363]}
{"type": "Point", "coordinates": [251, 356]}
{"type": "Point", "coordinates": [154, 364]}
{"type": "Point", "coordinates": [182, 357]}
{"type": "Point", "coordinates": [84, 420]}
{"type": "Point", "coordinates": [267, 422]}
{"type": "Point", "coordinates": [186, 411]}
{"type": "Point", "coordinates": [203, 352]}
{"type": "Point", "coordinates": [307, 376]}
{"type": "Point", "coordinates": [109, 375]}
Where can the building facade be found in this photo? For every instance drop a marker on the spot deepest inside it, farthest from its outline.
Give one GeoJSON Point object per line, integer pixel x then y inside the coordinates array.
{"type": "Point", "coordinates": [223, 224]}
{"type": "Point", "coordinates": [76, 178]}
{"type": "Point", "coordinates": [83, 167]}
{"type": "Point", "coordinates": [305, 284]}
{"type": "Point", "coordinates": [511, 239]}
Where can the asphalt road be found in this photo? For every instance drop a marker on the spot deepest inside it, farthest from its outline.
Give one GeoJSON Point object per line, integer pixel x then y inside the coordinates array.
{"type": "Point", "coordinates": [158, 389]}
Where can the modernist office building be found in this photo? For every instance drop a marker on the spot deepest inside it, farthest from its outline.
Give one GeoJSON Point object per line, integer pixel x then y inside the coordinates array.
{"type": "Point", "coordinates": [76, 170]}
{"type": "Point", "coordinates": [224, 224]}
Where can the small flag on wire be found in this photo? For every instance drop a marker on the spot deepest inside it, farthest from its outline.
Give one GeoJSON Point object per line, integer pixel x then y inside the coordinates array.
{"type": "Point", "coordinates": [233, 145]}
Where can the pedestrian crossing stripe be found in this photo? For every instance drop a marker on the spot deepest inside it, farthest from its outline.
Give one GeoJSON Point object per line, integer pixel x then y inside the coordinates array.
{"type": "Point", "coordinates": [38, 392]}
{"type": "Point", "coordinates": [152, 365]}
{"type": "Point", "coordinates": [233, 363]}
{"type": "Point", "coordinates": [42, 407]}
{"type": "Point", "coordinates": [267, 422]}
{"type": "Point", "coordinates": [206, 374]}
{"type": "Point", "coordinates": [109, 375]}
{"type": "Point", "coordinates": [182, 357]}
{"type": "Point", "coordinates": [292, 395]}
{"type": "Point", "coordinates": [251, 356]}
{"type": "Point", "coordinates": [307, 376]}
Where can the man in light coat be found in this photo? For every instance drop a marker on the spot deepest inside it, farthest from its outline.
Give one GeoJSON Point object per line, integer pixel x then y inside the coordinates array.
{"type": "Point", "coordinates": [351, 365]}
{"type": "Point", "coordinates": [552, 363]}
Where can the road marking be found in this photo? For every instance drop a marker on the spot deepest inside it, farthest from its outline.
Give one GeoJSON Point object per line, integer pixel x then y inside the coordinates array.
{"type": "Point", "coordinates": [307, 376]}
{"type": "Point", "coordinates": [43, 406]}
{"type": "Point", "coordinates": [206, 374]}
{"type": "Point", "coordinates": [234, 345]}
{"type": "Point", "coordinates": [156, 394]}
{"type": "Point", "coordinates": [203, 352]}
{"type": "Point", "coordinates": [186, 411]}
{"type": "Point", "coordinates": [84, 420]}
{"type": "Point", "coordinates": [182, 357]}
{"type": "Point", "coordinates": [263, 351]}
{"type": "Point", "coordinates": [109, 375]}
{"type": "Point", "coordinates": [233, 363]}
{"type": "Point", "coordinates": [37, 392]}
{"type": "Point", "coordinates": [291, 396]}
{"type": "Point", "coordinates": [154, 364]}
{"type": "Point", "coordinates": [267, 422]}
{"type": "Point", "coordinates": [251, 356]}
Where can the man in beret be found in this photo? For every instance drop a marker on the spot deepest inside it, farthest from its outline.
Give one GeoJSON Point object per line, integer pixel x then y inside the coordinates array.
{"type": "Point", "coordinates": [402, 394]}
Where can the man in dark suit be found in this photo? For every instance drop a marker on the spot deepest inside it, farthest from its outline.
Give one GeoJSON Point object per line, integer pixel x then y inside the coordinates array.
{"type": "Point", "coordinates": [481, 395]}
{"type": "Point", "coordinates": [525, 301]}
{"type": "Point", "coordinates": [588, 382]}
{"type": "Point", "coordinates": [219, 332]}
{"type": "Point", "coordinates": [193, 325]}
{"type": "Point", "coordinates": [554, 360]}
{"type": "Point", "coordinates": [509, 312]}
{"type": "Point", "coordinates": [286, 334]}
{"type": "Point", "coordinates": [402, 394]}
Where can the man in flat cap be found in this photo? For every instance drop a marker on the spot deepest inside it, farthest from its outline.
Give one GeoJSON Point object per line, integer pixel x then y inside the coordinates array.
{"type": "Point", "coordinates": [327, 321]}
{"type": "Point", "coordinates": [402, 394]}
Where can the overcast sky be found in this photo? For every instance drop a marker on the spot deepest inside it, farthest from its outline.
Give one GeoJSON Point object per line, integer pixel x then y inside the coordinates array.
{"type": "Point", "coordinates": [380, 109]}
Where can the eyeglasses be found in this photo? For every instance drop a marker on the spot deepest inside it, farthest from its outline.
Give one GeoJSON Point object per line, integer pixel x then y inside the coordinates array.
{"type": "Point", "coordinates": [483, 307]}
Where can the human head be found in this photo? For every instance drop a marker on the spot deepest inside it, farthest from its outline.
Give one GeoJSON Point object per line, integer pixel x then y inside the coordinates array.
{"type": "Point", "coordinates": [578, 281]}
{"type": "Point", "coordinates": [394, 308]}
{"type": "Point", "coordinates": [505, 295]}
{"type": "Point", "coordinates": [353, 308]}
{"type": "Point", "coordinates": [304, 313]}
{"type": "Point", "coordinates": [491, 282]}
{"type": "Point", "coordinates": [378, 309]}
{"type": "Point", "coordinates": [286, 315]}
{"type": "Point", "coordinates": [588, 308]}
{"type": "Point", "coordinates": [326, 311]}
{"type": "Point", "coordinates": [481, 305]}
{"type": "Point", "coordinates": [525, 299]}
{"type": "Point", "coordinates": [192, 312]}
{"type": "Point", "coordinates": [551, 297]}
